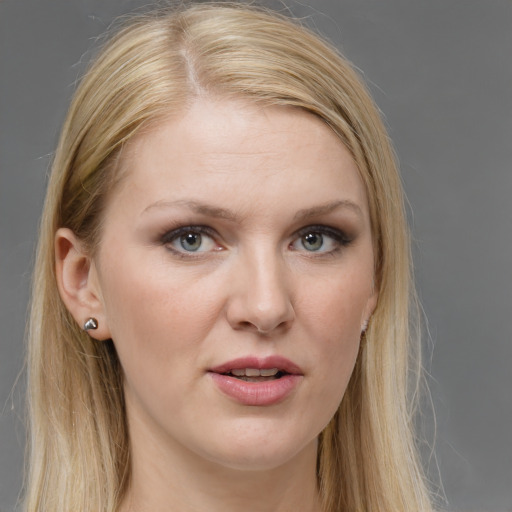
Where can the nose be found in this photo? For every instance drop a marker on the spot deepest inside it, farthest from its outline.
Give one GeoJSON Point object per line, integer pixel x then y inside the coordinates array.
{"type": "Point", "coordinates": [260, 300]}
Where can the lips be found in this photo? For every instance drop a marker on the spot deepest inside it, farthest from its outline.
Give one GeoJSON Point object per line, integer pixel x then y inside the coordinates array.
{"type": "Point", "coordinates": [257, 382]}
{"type": "Point", "coordinates": [255, 375]}
{"type": "Point", "coordinates": [280, 363]}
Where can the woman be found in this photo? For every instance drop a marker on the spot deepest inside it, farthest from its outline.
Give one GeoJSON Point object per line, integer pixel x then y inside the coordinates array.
{"type": "Point", "coordinates": [221, 302]}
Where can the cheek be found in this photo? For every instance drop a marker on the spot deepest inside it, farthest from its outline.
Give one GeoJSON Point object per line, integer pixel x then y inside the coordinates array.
{"type": "Point", "coordinates": [336, 307]}
{"type": "Point", "coordinates": [157, 319]}
{"type": "Point", "coordinates": [333, 312]}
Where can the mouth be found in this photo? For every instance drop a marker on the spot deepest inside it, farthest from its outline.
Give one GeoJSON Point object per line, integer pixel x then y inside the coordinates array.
{"type": "Point", "coordinates": [253, 381]}
{"type": "Point", "coordinates": [255, 374]}
{"type": "Point", "coordinates": [254, 369]}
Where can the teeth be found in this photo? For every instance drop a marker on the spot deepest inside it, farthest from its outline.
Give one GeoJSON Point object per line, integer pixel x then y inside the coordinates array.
{"type": "Point", "coordinates": [270, 372]}
{"type": "Point", "coordinates": [254, 372]}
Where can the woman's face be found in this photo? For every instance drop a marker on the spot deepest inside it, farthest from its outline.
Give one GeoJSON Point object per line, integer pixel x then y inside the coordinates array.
{"type": "Point", "coordinates": [236, 271]}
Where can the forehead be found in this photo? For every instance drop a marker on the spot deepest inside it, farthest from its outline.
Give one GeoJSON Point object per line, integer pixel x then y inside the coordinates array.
{"type": "Point", "coordinates": [234, 150]}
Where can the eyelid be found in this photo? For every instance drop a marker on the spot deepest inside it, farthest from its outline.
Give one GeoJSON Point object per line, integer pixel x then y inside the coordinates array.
{"type": "Point", "coordinates": [170, 235]}
{"type": "Point", "coordinates": [338, 236]}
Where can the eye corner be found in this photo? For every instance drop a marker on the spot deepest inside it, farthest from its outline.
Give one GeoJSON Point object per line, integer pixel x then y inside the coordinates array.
{"type": "Point", "coordinates": [326, 240]}
{"type": "Point", "coordinates": [175, 241]}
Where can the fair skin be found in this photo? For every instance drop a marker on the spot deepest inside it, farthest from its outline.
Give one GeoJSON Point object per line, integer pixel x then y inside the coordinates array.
{"type": "Point", "coordinates": [237, 231]}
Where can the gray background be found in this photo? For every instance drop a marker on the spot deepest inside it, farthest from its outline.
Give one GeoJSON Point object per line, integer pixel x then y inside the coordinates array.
{"type": "Point", "coordinates": [441, 72]}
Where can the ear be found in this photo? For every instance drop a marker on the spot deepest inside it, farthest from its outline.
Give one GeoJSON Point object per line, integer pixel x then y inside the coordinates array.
{"type": "Point", "coordinates": [78, 283]}
{"type": "Point", "coordinates": [371, 304]}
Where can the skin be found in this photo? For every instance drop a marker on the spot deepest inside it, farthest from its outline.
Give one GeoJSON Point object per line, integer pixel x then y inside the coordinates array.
{"type": "Point", "coordinates": [257, 285]}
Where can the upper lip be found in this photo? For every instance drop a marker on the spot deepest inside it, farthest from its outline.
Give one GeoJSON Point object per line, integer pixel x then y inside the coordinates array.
{"type": "Point", "coordinates": [260, 363]}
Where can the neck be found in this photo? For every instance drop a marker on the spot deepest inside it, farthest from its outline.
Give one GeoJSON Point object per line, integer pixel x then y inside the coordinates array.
{"type": "Point", "coordinates": [174, 479]}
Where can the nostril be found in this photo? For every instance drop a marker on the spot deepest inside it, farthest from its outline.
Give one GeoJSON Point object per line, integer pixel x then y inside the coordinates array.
{"type": "Point", "coordinates": [249, 326]}
{"type": "Point", "coordinates": [260, 310]}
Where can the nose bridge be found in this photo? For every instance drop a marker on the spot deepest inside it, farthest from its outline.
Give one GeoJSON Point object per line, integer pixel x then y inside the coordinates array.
{"type": "Point", "coordinates": [268, 287]}
{"type": "Point", "coordinates": [262, 298]}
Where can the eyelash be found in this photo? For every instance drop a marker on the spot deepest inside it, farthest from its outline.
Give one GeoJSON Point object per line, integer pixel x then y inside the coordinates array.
{"type": "Point", "coordinates": [175, 234]}
{"type": "Point", "coordinates": [340, 238]}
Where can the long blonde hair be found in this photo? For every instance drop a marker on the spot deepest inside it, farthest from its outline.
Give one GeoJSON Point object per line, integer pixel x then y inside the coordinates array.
{"type": "Point", "coordinates": [156, 64]}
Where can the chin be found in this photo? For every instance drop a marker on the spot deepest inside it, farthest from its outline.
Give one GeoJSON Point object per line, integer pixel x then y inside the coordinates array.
{"type": "Point", "coordinates": [261, 453]}
{"type": "Point", "coordinates": [254, 461]}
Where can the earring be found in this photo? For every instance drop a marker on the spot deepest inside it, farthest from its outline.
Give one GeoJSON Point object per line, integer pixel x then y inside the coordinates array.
{"type": "Point", "coordinates": [90, 324]}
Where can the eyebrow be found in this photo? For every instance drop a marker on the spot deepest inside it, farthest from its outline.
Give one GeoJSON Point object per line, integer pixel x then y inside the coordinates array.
{"type": "Point", "coordinates": [197, 207]}
{"type": "Point", "coordinates": [330, 207]}
{"type": "Point", "coordinates": [223, 213]}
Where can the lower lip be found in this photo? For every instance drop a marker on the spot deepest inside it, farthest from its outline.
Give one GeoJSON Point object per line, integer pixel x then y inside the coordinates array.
{"type": "Point", "coordinates": [256, 393]}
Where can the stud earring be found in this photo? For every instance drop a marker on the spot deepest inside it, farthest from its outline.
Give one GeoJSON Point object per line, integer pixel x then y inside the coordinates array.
{"type": "Point", "coordinates": [90, 324]}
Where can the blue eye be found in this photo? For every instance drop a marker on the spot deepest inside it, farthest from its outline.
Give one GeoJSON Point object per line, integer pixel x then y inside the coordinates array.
{"type": "Point", "coordinates": [320, 239]}
{"type": "Point", "coordinates": [312, 241]}
{"type": "Point", "coordinates": [190, 239]}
